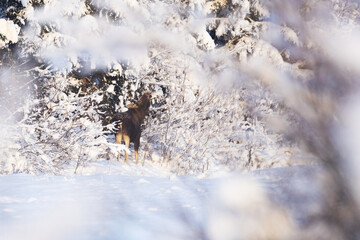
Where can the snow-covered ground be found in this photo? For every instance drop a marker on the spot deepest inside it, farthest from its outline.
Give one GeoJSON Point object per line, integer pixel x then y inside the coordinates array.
{"type": "Point", "coordinates": [150, 203]}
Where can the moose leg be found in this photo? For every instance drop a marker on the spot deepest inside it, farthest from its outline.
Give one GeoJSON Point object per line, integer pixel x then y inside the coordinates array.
{"type": "Point", "coordinates": [118, 138]}
{"type": "Point", "coordinates": [127, 143]}
{"type": "Point", "coordinates": [136, 149]}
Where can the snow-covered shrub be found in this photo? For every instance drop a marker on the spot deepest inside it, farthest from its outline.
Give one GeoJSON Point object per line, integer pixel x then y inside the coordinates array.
{"type": "Point", "coordinates": [209, 112]}
{"type": "Point", "coordinates": [195, 131]}
{"type": "Point", "coordinates": [210, 109]}
{"type": "Point", "coordinates": [9, 32]}
{"type": "Point", "coordinates": [62, 130]}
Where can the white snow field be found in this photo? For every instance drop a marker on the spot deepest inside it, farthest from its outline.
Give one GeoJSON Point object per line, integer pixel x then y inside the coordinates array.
{"type": "Point", "coordinates": [149, 203]}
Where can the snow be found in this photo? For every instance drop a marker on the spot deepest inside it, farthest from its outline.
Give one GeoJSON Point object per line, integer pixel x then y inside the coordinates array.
{"type": "Point", "coordinates": [24, 2]}
{"type": "Point", "coordinates": [10, 31]}
{"type": "Point", "coordinates": [116, 205]}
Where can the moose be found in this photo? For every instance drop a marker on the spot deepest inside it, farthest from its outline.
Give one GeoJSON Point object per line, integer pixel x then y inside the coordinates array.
{"type": "Point", "coordinates": [129, 124]}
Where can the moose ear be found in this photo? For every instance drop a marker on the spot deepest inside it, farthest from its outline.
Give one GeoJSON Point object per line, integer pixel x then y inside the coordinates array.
{"type": "Point", "coordinates": [147, 94]}
{"type": "Point", "coordinates": [132, 105]}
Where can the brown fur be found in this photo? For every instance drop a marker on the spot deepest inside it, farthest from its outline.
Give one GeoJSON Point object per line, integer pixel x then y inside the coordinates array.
{"type": "Point", "coordinates": [129, 124]}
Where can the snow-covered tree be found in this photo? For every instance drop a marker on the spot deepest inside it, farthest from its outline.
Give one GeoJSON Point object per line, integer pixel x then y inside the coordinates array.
{"type": "Point", "coordinates": [202, 61]}
{"type": "Point", "coordinates": [204, 114]}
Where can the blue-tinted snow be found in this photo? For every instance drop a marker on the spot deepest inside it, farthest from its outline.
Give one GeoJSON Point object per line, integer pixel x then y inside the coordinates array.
{"type": "Point", "coordinates": [134, 207]}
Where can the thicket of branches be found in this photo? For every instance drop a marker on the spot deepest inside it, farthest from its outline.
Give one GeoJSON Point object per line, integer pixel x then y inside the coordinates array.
{"type": "Point", "coordinates": [87, 60]}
